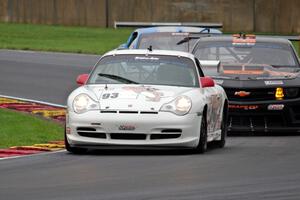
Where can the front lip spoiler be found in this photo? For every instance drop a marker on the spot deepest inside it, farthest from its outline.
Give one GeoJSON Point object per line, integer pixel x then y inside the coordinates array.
{"type": "Point", "coordinates": [129, 147]}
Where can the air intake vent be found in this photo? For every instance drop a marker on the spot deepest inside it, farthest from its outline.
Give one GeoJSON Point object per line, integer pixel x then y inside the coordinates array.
{"type": "Point", "coordinates": [108, 111]}
{"type": "Point", "coordinates": [164, 136]}
{"type": "Point", "coordinates": [148, 112]}
{"type": "Point", "coordinates": [129, 112]}
{"type": "Point", "coordinates": [92, 135]}
{"type": "Point", "coordinates": [171, 130]}
{"type": "Point", "coordinates": [85, 129]}
{"type": "Point", "coordinates": [126, 136]}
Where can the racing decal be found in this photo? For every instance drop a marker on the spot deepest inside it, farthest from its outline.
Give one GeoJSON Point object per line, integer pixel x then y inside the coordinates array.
{"type": "Point", "coordinates": [243, 107]}
{"type": "Point", "coordinates": [151, 94]}
{"type": "Point", "coordinates": [214, 113]}
{"type": "Point", "coordinates": [180, 34]}
{"type": "Point", "coordinates": [146, 58]}
{"type": "Point", "coordinates": [275, 107]}
{"type": "Point", "coordinates": [277, 82]}
{"type": "Point", "coordinates": [245, 72]}
{"type": "Point", "coordinates": [113, 95]}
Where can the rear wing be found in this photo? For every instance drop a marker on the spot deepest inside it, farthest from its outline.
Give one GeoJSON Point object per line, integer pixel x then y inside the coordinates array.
{"type": "Point", "coordinates": [119, 24]}
{"type": "Point", "coordinates": [288, 37]}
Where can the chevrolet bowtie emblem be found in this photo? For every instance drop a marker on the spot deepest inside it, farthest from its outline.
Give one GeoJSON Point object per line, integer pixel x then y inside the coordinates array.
{"type": "Point", "coordinates": [242, 93]}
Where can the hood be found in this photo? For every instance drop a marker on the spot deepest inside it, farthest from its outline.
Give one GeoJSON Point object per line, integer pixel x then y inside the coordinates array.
{"type": "Point", "coordinates": [135, 97]}
{"type": "Point", "coordinates": [255, 72]}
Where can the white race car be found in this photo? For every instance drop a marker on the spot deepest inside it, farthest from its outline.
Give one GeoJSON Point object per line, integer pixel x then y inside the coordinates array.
{"type": "Point", "coordinates": [145, 98]}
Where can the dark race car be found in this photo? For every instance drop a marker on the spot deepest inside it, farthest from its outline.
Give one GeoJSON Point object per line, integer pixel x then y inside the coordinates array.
{"type": "Point", "coordinates": [261, 78]}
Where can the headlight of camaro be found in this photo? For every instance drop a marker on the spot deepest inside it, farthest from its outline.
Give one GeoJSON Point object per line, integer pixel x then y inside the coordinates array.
{"type": "Point", "coordinates": [180, 106]}
{"type": "Point", "coordinates": [83, 103]}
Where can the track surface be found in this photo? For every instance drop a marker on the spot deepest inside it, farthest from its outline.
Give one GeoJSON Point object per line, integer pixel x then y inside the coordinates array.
{"type": "Point", "coordinates": [248, 168]}
{"type": "Point", "coordinates": [46, 77]}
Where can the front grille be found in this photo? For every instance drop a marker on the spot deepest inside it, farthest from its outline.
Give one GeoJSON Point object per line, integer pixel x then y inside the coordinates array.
{"type": "Point", "coordinates": [258, 94]}
{"type": "Point", "coordinates": [254, 94]}
{"type": "Point", "coordinates": [128, 136]}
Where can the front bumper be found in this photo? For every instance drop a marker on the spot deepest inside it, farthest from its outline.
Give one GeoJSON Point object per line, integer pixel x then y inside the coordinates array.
{"type": "Point", "coordinates": [257, 116]}
{"type": "Point", "coordinates": [101, 130]}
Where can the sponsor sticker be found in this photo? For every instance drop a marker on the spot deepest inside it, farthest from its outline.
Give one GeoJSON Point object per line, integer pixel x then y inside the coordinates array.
{"type": "Point", "coordinates": [243, 107]}
{"type": "Point", "coordinates": [275, 107]}
{"type": "Point", "coordinates": [274, 82]}
{"type": "Point", "coordinates": [180, 33]}
{"type": "Point", "coordinates": [146, 58]}
{"type": "Point", "coordinates": [126, 127]}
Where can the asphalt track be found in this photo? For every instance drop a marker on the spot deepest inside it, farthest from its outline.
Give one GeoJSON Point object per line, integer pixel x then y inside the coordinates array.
{"type": "Point", "coordinates": [248, 168]}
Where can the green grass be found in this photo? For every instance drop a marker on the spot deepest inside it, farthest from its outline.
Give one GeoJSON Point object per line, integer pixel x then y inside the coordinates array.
{"type": "Point", "coordinates": [61, 38]}
{"type": "Point", "coordinates": [296, 45]}
{"type": "Point", "coordinates": [65, 39]}
{"type": "Point", "coordinates": [24, 129]}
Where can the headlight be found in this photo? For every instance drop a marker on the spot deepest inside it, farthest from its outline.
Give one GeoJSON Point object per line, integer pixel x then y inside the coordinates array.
{"type": "Point", "coordinates": [180, 106]}
{"type": "Point", "coordinates": [83, 103]}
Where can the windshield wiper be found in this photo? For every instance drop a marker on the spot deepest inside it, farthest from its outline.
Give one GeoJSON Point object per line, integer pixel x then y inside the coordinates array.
{"type": "Point", "coordinates": [186, 39]}
{"type": "Point", "coordinates": [118, 78]}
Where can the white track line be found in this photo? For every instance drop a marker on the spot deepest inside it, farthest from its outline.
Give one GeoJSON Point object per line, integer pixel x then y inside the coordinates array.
{"type": "Point", "coordinates": [34, 101]}
{"type": "Point", "coordinates": [32, 155]}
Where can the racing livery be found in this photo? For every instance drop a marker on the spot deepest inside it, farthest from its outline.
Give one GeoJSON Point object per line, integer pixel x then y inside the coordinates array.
{"type": "Point", "coordinates": [261, 78]}
{"type": "Point", "coordinates": [141, 98]}
{"type": "Point", "coordinates": [179, 38]}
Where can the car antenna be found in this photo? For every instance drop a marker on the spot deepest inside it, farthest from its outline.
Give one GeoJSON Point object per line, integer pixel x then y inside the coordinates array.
{"type": "Point", "coordinates": [150, 48]}
{"type": "Point", "coordinates": [105, 86]}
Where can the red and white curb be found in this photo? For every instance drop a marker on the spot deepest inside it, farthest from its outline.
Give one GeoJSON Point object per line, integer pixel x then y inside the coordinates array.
{"type": "Point", "coordinates": [47, 110]}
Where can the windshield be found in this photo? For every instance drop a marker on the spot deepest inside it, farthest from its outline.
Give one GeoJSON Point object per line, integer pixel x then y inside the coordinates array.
{"type": "Point", "coordinates": [166, 41]}
{"type": "Point", "coordinates": [148, 70]}
{"type": "Point", "coordinates": [259, 59]}
{"type": "Point", "coordinates": [278, 55]}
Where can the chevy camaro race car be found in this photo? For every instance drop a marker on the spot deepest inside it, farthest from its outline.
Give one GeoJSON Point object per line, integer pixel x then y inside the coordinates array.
{"type": "Point", "coordinates": [178, 38]}
{"type": "Point", "coordinates": [261, 78]}
{"type": "Point", "coordinates": [141, 98]}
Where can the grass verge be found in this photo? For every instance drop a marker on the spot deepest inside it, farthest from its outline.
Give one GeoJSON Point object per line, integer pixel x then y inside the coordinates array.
{"type": "Point", "coordinates": [61, 38]}
{"type": "Point", "coordinates": [19, 129]}
{"type": "Point", "coordinates": [65, 39]}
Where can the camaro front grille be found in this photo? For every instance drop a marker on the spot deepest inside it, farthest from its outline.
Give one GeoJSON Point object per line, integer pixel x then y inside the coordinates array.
{"type": "Point", "coordinates": [259, 94]}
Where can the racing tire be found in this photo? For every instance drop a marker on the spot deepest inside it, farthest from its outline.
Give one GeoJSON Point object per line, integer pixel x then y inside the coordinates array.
{"type": "Point", "coordinates": [221, 143]}
{"type": "Point", "coordinates": [74, 150]}
{"type": "Point", "coordinates": [202, 145]}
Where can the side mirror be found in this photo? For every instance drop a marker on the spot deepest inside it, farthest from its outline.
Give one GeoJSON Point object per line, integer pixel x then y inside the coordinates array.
{"type": "Point", "coordinates": [207, 82]}
{"type": "Point", "coordinates": [82, 78]}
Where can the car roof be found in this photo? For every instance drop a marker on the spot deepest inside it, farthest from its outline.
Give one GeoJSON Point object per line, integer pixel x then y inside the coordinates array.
{"type": "Point", "coordinates": [267, 39]}
{"type": "Point", "coordinates": [147, 52]}
{"type": "Point", "coordinates": [175, 29]}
